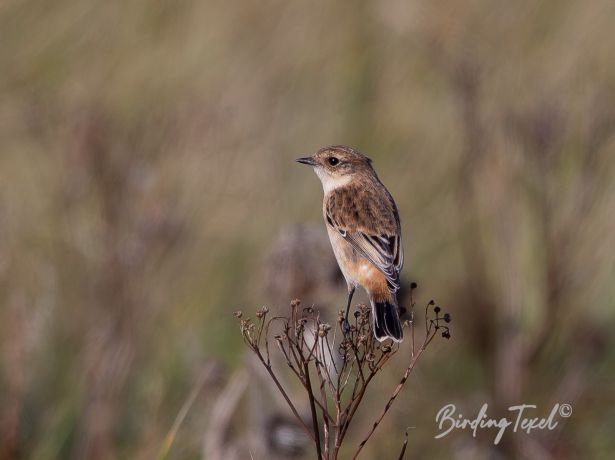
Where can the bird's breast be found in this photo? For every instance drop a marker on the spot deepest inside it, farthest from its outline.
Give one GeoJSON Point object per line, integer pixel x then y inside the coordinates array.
{"type": "Point", "coordinates": [357, 270]}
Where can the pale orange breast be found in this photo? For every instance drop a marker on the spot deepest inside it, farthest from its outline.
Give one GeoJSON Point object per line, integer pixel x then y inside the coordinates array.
{"type": "Point", "coordinates": [372, 279]}
{"type": "Point", "coordinates": [356, 269]}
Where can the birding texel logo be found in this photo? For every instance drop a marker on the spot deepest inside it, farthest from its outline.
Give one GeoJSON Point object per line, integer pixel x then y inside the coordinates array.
{"type": "Point", "coordinates": [522, 419]}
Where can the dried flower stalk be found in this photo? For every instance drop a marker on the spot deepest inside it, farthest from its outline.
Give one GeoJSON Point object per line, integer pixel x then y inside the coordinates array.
{"type": "Point", "coordinates": [334, 367]}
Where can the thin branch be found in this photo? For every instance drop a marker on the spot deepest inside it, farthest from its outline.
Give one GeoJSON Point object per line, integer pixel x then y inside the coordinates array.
{"type": "Point", "coordinates": [403, 447]}
{"type": "Point", "coordinates": [313, 410]}
{"type": "Point", "coordinates": [362, 358]}
{"type": "Point", "coordinates": [388, 405]}
{"type": "Point", "coordinates": [288, 401]}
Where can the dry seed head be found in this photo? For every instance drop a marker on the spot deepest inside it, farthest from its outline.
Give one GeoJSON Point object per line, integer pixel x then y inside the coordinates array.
{"type": "Point", "coordinates": [323, 329]}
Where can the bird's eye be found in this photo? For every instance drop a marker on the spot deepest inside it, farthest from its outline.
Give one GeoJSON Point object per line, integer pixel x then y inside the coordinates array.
{"type": "Point", "coordinates": [333, 161]}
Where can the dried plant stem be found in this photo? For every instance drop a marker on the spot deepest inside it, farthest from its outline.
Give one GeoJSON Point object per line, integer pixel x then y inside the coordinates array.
{"type": "Point", "coordinates": [389, 403]}
{"type": "Point", "coordinates": [403, 447]}
{"type": "Point", "coordinates": [313, 410]}
{"type": "Point", "coordinates": [304, 344]}
{"type": "Point", "coordinates": [285, 395]}
{"type": "Point", "coordinates": [325, 415]}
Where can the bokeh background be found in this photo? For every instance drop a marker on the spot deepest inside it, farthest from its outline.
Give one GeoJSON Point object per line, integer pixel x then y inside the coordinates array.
{"type": "Point", "coordinates": [146, 173]}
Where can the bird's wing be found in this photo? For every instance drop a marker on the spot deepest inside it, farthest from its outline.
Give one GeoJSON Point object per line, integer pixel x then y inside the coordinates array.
{"type": "Point", "coordinates": [368, 220]}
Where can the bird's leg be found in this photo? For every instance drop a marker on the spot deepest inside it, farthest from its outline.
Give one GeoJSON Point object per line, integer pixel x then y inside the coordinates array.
{"type": "Point", "coordinates": [350, 294]}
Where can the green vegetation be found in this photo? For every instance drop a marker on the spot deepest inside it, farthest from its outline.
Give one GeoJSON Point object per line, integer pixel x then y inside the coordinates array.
{"type": "Point", "coordinates": [147, 163]}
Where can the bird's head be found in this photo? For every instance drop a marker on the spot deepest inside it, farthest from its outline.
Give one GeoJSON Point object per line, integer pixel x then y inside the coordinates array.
{"type": "Point", "coordinates": [336, 165]}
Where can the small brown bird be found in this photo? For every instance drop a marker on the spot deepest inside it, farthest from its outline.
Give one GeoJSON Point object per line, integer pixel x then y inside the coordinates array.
{"type": "Point", "coordinates": [363, 225]}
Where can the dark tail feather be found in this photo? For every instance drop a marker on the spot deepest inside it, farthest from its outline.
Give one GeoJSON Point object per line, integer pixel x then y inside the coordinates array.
{"type": "Point", "coordinates": [386, 321]}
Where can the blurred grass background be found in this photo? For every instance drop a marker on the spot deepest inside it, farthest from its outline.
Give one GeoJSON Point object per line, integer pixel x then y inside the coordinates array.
{"type": "Point", "coordinates": [146, 167]}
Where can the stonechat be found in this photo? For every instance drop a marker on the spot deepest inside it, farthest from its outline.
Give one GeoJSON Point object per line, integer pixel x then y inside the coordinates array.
{"type": "Point", "coordinates": [364, 229]}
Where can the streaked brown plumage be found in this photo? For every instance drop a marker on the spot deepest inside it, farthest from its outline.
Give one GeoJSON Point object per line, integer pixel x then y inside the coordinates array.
{"type": "Point", "coordinates": [364, 229]}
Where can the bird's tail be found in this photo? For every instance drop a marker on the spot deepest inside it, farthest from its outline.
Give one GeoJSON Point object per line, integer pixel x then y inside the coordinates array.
{"type": "Point", "coordinates": [385, 318]}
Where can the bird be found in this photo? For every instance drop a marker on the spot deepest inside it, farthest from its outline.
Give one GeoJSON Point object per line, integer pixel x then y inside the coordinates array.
{"type": "Point", "coordinates": [364, 229]}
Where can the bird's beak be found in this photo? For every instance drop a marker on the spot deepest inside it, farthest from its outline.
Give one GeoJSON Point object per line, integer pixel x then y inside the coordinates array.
{"type": "Point", "coordinates": [307, 161]}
